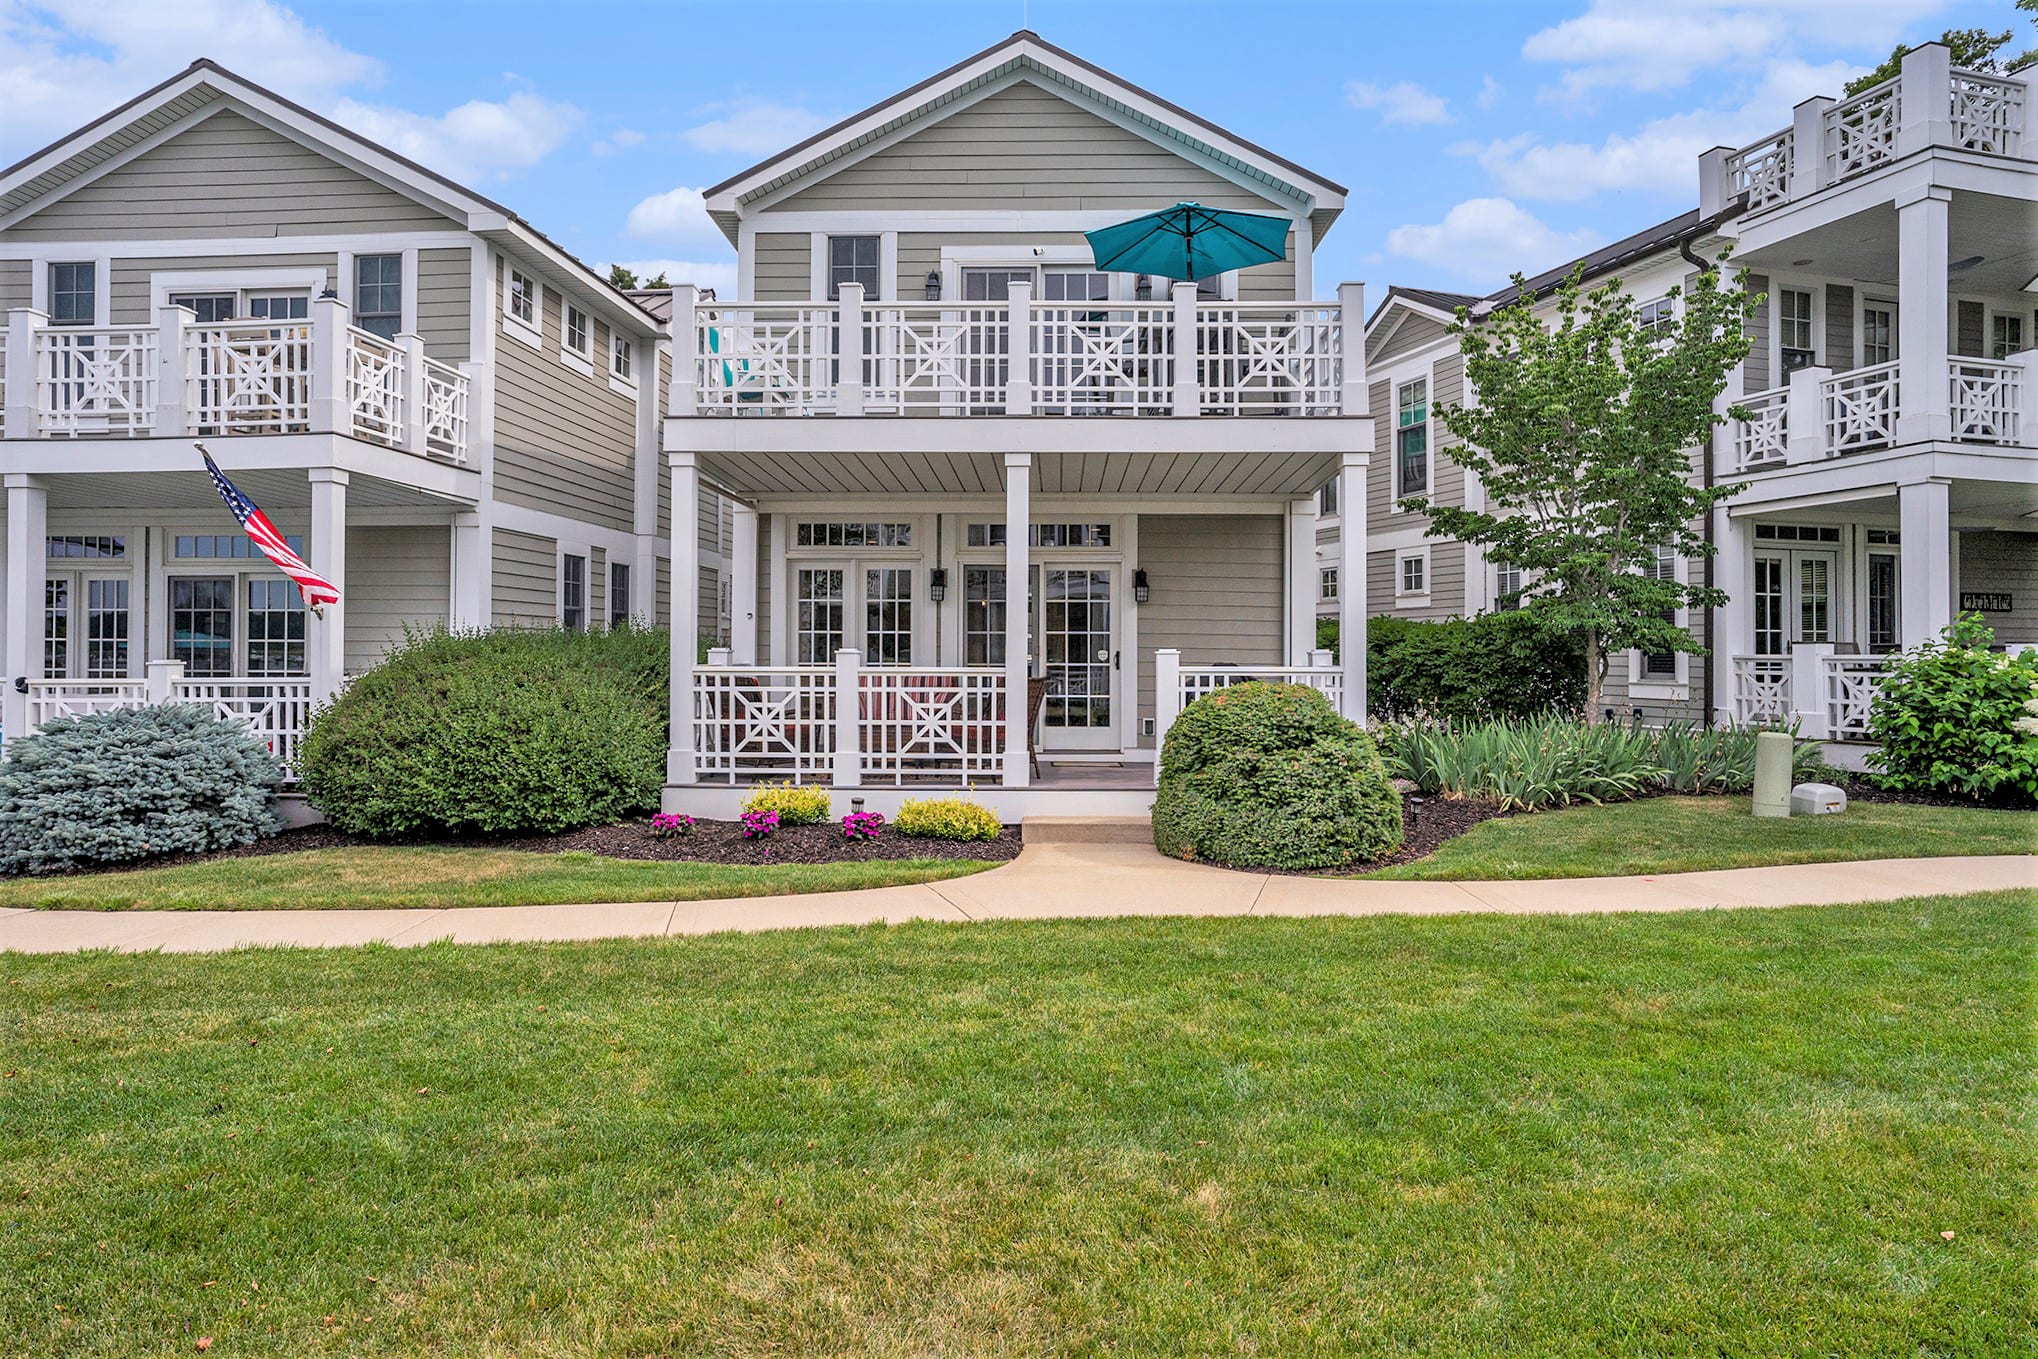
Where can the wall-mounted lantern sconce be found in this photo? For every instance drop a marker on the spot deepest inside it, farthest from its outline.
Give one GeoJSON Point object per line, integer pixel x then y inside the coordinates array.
{"type": "Point", "coordinates": [1142, 287]}
{"type": "Point", "coordinates": [1141, 589]}
{"type": "Point", "coordinates": [933, 285]}
{"type": "Point", "coordinates": [937, 584]}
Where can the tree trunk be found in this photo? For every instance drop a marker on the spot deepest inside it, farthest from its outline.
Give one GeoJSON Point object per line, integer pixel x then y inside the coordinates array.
{"type": "Point", "coordinates": [1594, 678]}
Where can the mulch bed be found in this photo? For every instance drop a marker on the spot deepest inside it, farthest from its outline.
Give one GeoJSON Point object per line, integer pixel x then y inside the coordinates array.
{"type": "Point", "coordinates": [722, 842]}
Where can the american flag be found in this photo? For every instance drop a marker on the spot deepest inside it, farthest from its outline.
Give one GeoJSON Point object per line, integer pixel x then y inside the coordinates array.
{"type": "Point", "coordinates": [316, 589]}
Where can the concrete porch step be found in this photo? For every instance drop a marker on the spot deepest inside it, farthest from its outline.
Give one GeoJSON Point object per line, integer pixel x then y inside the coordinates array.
{"type": "Point", "coordinates": [1087, 830]}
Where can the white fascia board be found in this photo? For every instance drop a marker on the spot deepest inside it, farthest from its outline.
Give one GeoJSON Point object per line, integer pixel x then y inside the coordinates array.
{"type": "Point", "coordinates": [1345, 435]}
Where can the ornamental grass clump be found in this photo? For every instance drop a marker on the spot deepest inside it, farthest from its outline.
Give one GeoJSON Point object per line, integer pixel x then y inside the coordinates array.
{"type": "Point", "coordinates": [1956, 717]}
{"type": "Point", "coordinates": [1526, 765]}
{"type": "Point", "coordinates": [1270, 776]}
{"type": "Point", "coordinates": [132, 784]}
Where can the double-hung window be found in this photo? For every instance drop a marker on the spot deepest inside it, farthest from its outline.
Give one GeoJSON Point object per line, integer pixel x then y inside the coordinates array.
{"type": "Point", "coordinates": [1411, 438]}
{"type": "Point", "coordinates": [619, 595]}
{"type": "Point", "coordinates": [2006, 335]}
{"type": "Point", "coordinates": [378, 294]}
{"type": "Point", "coordinates": [74, 294]}
{"type": "Point", "coordinates": [1326, 583]}
{"type": "Point", "coordinates": [1795, 334]}
{"type": "Point", "coordinates": [573, 592]}
{"type": "Point", "coordinates": [579, 337]}
{"type": "Point", "coordinates": [1506, 587]}
{"type": "Point", "coordinates": [1657, 318]}
{"type": "Point", "coordinates": [1661, 664]}
{"type": "Point", "coordinates": [1326, 499]}
{"type": "Point", "coordinates": [1413, 577]}
{"type": "Point", "coordinates": [523, 306]}
{"type": "Point", "coordinates": [622, 359]}
{"type": "Point", "coordinates": [852, 259]}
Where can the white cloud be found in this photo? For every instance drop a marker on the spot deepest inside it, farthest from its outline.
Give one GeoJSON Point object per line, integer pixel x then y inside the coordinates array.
{"type": "Point", "coordinates": [717, 274]}
{"type": "Point", "coordinates": [1402, 102]}
{"type": "Point", "coordinates": [754, 127]}
{"type": "Point", "coordinates": [1489, 94]}
{"type": "Point", "coordinates": [622, 139]}
{"type": "Point", "coordinates": [1483, 240]}
{"type": "Point", "coordinates": [1660, 157]}
{"type": "Point", "coordinates": [676, 217]}
{"type": "Point", "coordinates": [62, 61]}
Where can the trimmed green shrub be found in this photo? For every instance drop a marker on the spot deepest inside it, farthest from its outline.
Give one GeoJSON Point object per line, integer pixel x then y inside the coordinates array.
{"type": "Point", "coordinates": [1955, 717]}
{"type": "Point", "coordinates": [795, 806]}
{"type": "Point", "coordinates": [131, 784]}
{"type": "Point", "coordinates": [1269, 776]}
{"type": "Point", "coordinates": [1495, 665]}
{"type": "Point", "coordinates": [500, 732]}
{"type": "Point", "coordinates": [947, 818]}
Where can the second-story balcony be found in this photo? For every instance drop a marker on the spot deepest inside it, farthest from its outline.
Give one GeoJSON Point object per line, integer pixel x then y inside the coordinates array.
{"type": "Point", "coordinates": [1018, 357]}
{"type": "Point", "coordinates": [178, 378]}
{"type": "Point", "coordinates": [1820, 414]}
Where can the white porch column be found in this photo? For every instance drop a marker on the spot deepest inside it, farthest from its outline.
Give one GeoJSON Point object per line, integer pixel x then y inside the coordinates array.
{"type": "Point", "coordinates": [27, 570]}
{"type": "Point", "coordinates": [326, 642]}
{"type": "Point", "coordinates": [1019, 349]}
{"type": "Point", "coordinates": [683, 398]}
{"type": "Point", "coordinates": [412, 436]}
{"type": "Point", "coordinates": [1805, 416]}
{"type": "Point", "coordinates": [162, 679]}
{"type": "Point", "coordinates": [1018, 580]}
{"type": "Point", "coordinates": [170, 323]}
{"type": "Point", "coordinates": [329, 411]}
{"type": "Point", "coordinates": [1167, 699]}
{"type": "Point", "coordinates": [848, 719]}
{"type": "Point", "coordinates": [22, 324]}
{"type": "Point", "coordinates": [1351, 584]}
{"type": "Point", "coordinates": [1926, 563]}
{"type": "Point", "coordinates": [1733, 621]}
{"type": "Point", "coordinates": [1301, 579]}
{"type": "Point", "coordinates": [686, 605]}
{"type": "Point", "coordinates": [470, 575]}
{"type": "Point", "coordinates": [1808, 688]}
{"type": "Point", "coordinates": [1924, 106]}
{"type": "Point", "coordinates": [849, 350]}
{"type": "Point", "coordinates": [743, 585]}
{"type": "Point", "coordinates": [1924, 397]}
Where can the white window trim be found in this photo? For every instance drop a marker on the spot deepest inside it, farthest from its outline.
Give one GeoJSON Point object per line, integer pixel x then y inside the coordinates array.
{"type": "Point", "coordinates": [161, 285]}
{"type": "Point", "coordinates": [1401, 593]}
{"type": "Point", "coordinates": [621, 385]}
{"type": "Point", "coordinates": [1818, 291]}
{"type": "Point", "coordinates": [530, 332]}
{"type": "Point", "coordinates": [407, 322]}
{"type": "Point", "coordinates": [2025, 317]}
{"type": "Point", "coordinates": [102, 271]}
{"type": "Point", "coordinates": [1326, 576]}
{"type": "Point", "coordinates": [561, 551]}
{"type": "Point", "coordinates": [1677, 687]}
{"type": "Point", "coordinates": [1427, 376]}
{"type": "Point", "coordinates": [580, 361]}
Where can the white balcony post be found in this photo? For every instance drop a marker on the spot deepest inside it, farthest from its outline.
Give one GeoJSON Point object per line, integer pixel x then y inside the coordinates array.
{"type": "Point", "coordinates": [1925, 99]}
{"type": "Point", "coordinates": [470, 574]}
{"type": "Point", "coordinates": [22, 366]}
{"type": "Point", "coordinates": [1321, 659]}
{"type": "Point", "coordinates": [162, 680]}
{"type": "Point", "coordinates": [1188, 387]}
{"type": "Point", "coordinates": [1167, 699]}
{"type": "Point", "coordinates": [1713, 188]}
{"type": "Point", "coordinates": [1808, 688]}
{"type": "Point", "coordinates": [1301, 579]}
{"type": "Point", "coordinates": [327, 553]}
{"type": "Point", "coordinates": [1808, 138]}
{"type": "Point", "coordinates": [1924, 390]}
{"type": "Point", "coordinates": [684, 398]}
{"type": "Point", "coordinates": [1805, 416]}
{"type": "Point", "coordinates": [743, 585]}
{"type": "Point", "coordinates": [412, 434]}
{"type": "Point", "coordinates": [1018, 582]}
{"type": "Point", "coordinates": [1351, 584]}
{"type": "Point", "coordinates": [1019, 350]}
{"type": "Point", "coordinates": [170, 323]}
{"type": "Point", "coordinates": [849, 350]}
{"type": "Point", "coordinates": [685, 619]}
{"type": "Point", "coordinates": [329, 412]}
{"type": "Point", "coordinates": [27, 569]}
{"type": "Point", "coordinates": [1353, 398]}
{"type": "Point", "coordinates": [2024, 398]}
{"type": "Point", "coordinates": [1734, 621]}
{"type": "Point", "coordinates": [720, 657]}
{"type": "Point", "coordinates": [1926, 566]}
{"type": "Point", "coordinates": [848, 719]}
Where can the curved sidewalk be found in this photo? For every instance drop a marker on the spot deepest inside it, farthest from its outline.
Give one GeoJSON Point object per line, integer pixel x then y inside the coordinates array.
{"type": "Point", "coordinates": [1045, 882]}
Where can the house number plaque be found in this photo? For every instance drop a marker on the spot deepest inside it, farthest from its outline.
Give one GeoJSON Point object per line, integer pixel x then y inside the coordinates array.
{"type": "Point", "coordinates": [1985, 603]}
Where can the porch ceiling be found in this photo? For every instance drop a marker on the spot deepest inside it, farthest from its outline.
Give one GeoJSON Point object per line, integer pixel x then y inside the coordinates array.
{"type": "Point", "coordinates": [1863, 246]}
{"type": "Point", "coordinates": [1256, 473]}
{"type": "Point", "coordinates": [271, 488]}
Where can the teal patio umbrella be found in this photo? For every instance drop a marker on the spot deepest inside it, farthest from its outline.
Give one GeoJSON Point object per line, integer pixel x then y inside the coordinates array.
{"type": "Point", "coordinates": [1189, 241]}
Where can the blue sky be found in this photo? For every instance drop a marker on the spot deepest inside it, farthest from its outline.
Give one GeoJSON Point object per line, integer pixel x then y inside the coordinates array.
{"type": "Point", "coordinates": [1474, 138]}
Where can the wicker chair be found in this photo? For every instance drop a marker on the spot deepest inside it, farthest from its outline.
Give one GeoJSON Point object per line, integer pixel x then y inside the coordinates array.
{"type": "Point", "coordinates": [1036, 699]}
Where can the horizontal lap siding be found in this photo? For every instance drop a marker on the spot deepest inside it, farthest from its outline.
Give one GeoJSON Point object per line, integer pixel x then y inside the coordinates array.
{"type": "Point", "coordinates": [597, 587]}
{"type": "Point", "coordinates": [785, 267]}
{"type": "Point", "coordinates": [1446, 583]}
{"type": "Point", "coordinates": [445, 277]}
{"type": "Point", "coordinates": [2004, 563]}
{"type": "Point", "coordinates": [130, 290]}
{"type": "Point", "coordinates": [564, 442]}
{"type": "Point", "coordinates": [1410, 332]}
{"type": "Point", "coordinates": [227, 176]}
{"type": "Point", "coordinates": [1218, 593]}
{"type": "Point", "coordinates": [1839, 327]}
{"type": "Point", "coordinates": [526, 581]}
{"type": "Point", "coordinates": [15, 284]}
{"type": "Point", "coordinates": [395, 577]}
{"type": "Point", "coordinates": [1756, 370]}
{"type": "Point", "coordinates": [1446, 475]}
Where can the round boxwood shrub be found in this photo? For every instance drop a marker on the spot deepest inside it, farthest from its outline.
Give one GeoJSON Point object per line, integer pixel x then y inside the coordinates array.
{"type": "Point", "coordinates": [500, 732]}
{"type": "Point", "coordinates": [132, 784]}
{"type": "Point", "coordinates": [1269, 776]}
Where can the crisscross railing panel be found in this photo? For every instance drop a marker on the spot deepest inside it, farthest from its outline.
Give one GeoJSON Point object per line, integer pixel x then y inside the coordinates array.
{"type": "Point", "coordinates": [772, 722]}
{"type": "Point", "coordinates": [93, 381]}
{"type": "Point", "coordinates": [931, 723]}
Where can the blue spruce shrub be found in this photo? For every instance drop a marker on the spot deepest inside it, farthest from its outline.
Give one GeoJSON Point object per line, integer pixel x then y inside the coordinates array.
{"type": "Point", "coordinates": [132, 784]}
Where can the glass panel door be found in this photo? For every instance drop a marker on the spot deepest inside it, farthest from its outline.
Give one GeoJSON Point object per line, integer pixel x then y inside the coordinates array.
{"type": "Point", "coordinates": [1814, 598]}
{"type": "Point", "coordinates": [56, 627]}
{"type": "Point", "coordinates": [818, 618]}
{"type": "Point", "coordinates": [1882, 603]}
{"type": "Point", "coordinates": [275, 628]}
{"type": "Point", "coordinates": [106, 629]}
{"type": "Point", "coordinates": [985, 344]}
{"type": "Point", "coordinates": [1769, 604]}
{"type": "Point", "coordinates": [1076, 649]}
{"type": "Point", "coordinates": [983, 615]}
{"type": "Point", "coordinates": [202, 624]}
{"type": "Point", "coordinates": [210, 308]}
{"type": "Point", "coordinates": [888, 615]}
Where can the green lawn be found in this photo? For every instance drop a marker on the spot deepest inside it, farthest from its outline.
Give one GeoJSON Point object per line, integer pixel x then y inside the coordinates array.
{"type": "Point", "coordinates": [1686, 834]}
{"type": "Point", "coordinates": [1715, 1133]}
{"type": "Point", "coordinates": [373, 876]}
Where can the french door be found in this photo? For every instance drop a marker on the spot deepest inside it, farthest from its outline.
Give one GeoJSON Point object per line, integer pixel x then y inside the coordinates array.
{"type": "Point", "coordinates": [1793, 598]}
{"type": "Point", "coordinates": [865, 606]}
{"type": "Point", "coordinates": [1072, 622]}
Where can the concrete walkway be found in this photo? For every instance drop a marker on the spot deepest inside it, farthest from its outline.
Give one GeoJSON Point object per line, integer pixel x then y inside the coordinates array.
{"type": "Point", "coordinates": [1045, 882]}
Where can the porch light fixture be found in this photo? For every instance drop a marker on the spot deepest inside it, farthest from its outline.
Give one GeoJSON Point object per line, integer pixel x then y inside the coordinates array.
{"type": "Point", "coordinates": [2032, 286]}
{"type": "Point", "coordinates": [1141, 590]}
{"type": "Point", "coordinates": [933, 285]}
{"type": "Point", "coordinates": [1142, 288]}
{"type": "Point", "coordinates": [1962, 266]}
{"type": "Point", "coordinates": [937, 584]}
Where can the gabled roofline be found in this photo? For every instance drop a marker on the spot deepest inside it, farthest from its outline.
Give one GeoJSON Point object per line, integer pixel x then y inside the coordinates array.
{"type": "Point", "coordinates": [1419, 300]}
{"type": "Point", "coordinates": [481, 214]}
{"type": "Point", "coordinates": [727, 196]}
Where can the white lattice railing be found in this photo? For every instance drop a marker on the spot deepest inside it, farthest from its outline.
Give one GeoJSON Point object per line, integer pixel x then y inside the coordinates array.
{"type": "Point", "coordinates": [1761, 690]}
{"type": "Point", "coordinates": [276, 710]}
{"type": "Point", "coordinates": [49, 699]}
{"type": "Point", "coordinates": [375, 387]}
{"type": "Point", "coordinates": [772, 722]}
{"type": "Point", "coordinates": [766, 356]}
{"type": "Point", "coordinates": [247, 378]}
{"type": "Point", "coordinates": [1198, 680]}
{"type": "Point", "coordinates": [923, 356]}
{"type": "Point", "coordinates": [446, 397]}
{"type": "Point", "coordinates": [1850, 692]}
{"type": "Point", "coordinates": [1861, 133]}
{"type": "Point", "coordinates": [1987, 399]}
{"type": "Point", "coordinates": [95, 381]}
{"type": "Point", "coordinates": [1762, 169]}
{"type": "Point", "coordinates": [1090, 360]}
{"type": "Point", "coordinates": [1860, 408]}
{"type": "Point", "coordinates": [931, 723]}
{"type": "Point", "coordinates": [1987, 113]}
{"type": "Point", "coordinates": [1762, 440]}
{"type": "Point", "coordinates": [1268, 358]}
